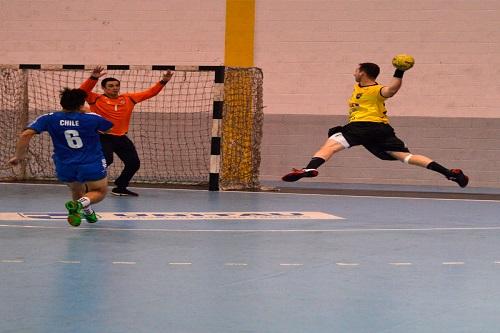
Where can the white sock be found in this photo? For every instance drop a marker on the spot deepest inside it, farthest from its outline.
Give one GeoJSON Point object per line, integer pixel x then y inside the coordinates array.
{"type": "Point", "coordinates": [87, 209]}
{"type": "Point", "coordinates": [85, 201]}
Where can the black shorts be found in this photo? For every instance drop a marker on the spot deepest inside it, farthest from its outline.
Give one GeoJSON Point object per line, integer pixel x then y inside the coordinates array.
{"type": "Point", "coordinates": [377, 138]}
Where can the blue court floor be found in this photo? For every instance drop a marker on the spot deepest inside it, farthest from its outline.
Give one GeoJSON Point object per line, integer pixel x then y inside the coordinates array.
{"type": "Point", "coordinates": [187, 261]}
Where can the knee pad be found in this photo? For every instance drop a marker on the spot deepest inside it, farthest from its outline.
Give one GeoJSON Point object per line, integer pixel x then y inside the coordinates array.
{"type": "Point", "coordinates": [407, 159]}
{"type": "Point", "coordinates": [338, 137]}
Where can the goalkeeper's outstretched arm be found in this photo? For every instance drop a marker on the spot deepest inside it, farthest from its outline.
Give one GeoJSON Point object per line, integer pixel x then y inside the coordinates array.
{"type": "Point", "coordinates": [90, 83]}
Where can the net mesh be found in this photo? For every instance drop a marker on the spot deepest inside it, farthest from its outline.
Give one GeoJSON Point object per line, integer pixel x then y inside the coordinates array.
{"type": "Point", "coordinates": [172, 131]}
{"type": "Point", "coordinates": [242, 128]}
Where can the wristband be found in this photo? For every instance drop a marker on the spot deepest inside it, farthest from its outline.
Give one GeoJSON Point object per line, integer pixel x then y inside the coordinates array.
{"type": "Point", "coordinates": [163, 82]}
{"type": "Point", "coordinates": [94, 78]}
{"type": "Point", "coordinates": [398, 73]}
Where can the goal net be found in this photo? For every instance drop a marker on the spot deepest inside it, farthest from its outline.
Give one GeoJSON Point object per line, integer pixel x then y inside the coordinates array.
{"type": "Point", "coordinates": [173, 131]}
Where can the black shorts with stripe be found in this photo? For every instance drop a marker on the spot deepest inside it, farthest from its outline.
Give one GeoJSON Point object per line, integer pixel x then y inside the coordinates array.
{"type": "Point", "coordinates": [377, 138]}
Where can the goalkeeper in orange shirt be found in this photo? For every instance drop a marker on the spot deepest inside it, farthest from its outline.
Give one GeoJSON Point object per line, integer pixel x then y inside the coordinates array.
{"type": "Point", "coordinates": [118, 108]}
{"type": "Point", "coordinates": [369, 126]}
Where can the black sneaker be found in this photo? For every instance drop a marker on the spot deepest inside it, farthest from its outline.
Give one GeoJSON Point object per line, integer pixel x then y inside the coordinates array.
{"type": "Point", "coordinates": [296, 174]}
{"type": "Point", "coordinates": [122, 191]}
{"type": "Point", "coordinates": [459, 177]}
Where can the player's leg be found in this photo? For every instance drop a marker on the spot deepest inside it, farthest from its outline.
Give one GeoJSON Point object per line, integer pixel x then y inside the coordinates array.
{"type": "Point", "coordinates": [73, 206]}
{"type": "Point", "coordinates": [96, 190]}
{"type": "Point", "coordinates": [455, 175]}
{"type": "Point", "coordinates": [91, 187]}
{"type": "Point", "coordinates": [128, 154]}
{"type": "Point", "coordinates": [388, 146]}
{"type": "Point", "coordinates": [333, 145]}
{"type": "Point", "coordinates": [84, 195]}
{"type": "Point", "coordinates": [67, 173]}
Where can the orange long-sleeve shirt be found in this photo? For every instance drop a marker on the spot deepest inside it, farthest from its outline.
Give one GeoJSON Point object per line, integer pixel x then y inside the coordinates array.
{"type": "Point", "coordinates": [117, 110]}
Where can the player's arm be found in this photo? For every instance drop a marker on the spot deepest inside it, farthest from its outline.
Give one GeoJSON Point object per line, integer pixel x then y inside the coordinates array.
{"type": "Point", "coordinates": [22, 146]}
{"type": "Point", "coordinates": [90, 83]}
{"type": "Point", "coordinates": [153, 91]}
{"type": "Point", "coordinates": [392, 88]}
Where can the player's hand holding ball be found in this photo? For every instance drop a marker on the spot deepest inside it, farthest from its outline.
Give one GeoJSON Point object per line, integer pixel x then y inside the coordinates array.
{"type": "Point", "coordinates": [403, 62]}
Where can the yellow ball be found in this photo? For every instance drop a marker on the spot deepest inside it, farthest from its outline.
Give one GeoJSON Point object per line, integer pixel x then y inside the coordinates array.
{"type": "Point", "coordinates": [403, 62]}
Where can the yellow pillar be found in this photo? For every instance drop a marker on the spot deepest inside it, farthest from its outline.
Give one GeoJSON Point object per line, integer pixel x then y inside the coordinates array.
{"type": "Point", "coordinates": [240, 23]}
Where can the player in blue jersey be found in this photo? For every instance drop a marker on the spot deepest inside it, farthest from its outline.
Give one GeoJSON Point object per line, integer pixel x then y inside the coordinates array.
{"type": "Point", "coordinates": [78, 156]}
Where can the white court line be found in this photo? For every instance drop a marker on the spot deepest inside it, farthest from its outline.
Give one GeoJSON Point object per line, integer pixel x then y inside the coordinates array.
{"type": "Point", "coordinates": [400, 263]}
{"type": "Point", "coordinates": [453, 263]}
{"type": "Point", "coordinates": [177, 216]}
{"type": "Point", "coordinates": [73, 229]}
{"type": "Point", "coordinates": [180, 263]}
{"type": "Point", "coordinates": [68, 261]}
{"type": "Point", "coordinates": [124, 262]}
{"type": "Point", "coordinates": [8, 261]}
{"type": "Point", "coordinates": [235, 264]}
{"type": "Point", "coordinates": [292, 264]}
{"type": "Point", "coordinates": [295, 194]}
{"type": "Point", "coordinates": [347, 264]}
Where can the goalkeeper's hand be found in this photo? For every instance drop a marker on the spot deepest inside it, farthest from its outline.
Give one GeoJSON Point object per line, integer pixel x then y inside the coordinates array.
{"type": "Point", "coordinates": [97, 72]}
{"type": "Point", "coordinates": [167, 76]}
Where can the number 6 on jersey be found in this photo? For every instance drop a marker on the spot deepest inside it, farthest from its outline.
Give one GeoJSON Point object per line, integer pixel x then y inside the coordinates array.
{"type": "Point", "coordinates": [73, 139]}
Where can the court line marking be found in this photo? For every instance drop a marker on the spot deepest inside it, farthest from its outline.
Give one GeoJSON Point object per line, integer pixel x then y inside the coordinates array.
{"type": "Point", "coordinates": [347, 264]}
{"type": "Point", "coordinates": [250, 230]}
{"type": "Point", "coordinates": [69, 261]}
{"type": "Point", "coordinates": [124, 262]}
{"type": "Point", "coordinates": [341, 264]}
{"type": "Point", "coordinates": [299, 194]}
{"type": "Point", "coordinates": [177, 216]}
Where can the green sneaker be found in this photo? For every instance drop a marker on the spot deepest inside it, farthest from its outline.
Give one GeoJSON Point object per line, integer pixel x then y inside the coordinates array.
{"type": "Point", "coordinates": [91, 218]}
{"type": "Point", "coordinates": [74, 213]}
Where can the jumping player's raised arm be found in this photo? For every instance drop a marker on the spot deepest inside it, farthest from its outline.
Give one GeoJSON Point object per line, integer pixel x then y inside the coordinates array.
{"type": "Point", "coordinates": [402, 63]}
{"type": "Point", "coordinates": [391, 89]}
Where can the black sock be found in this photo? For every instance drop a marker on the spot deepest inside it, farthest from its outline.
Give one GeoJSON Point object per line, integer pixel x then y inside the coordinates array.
{"type": "Point", "coordinates": [315, 163]}
{"type": "Point", "coordinates": [439, 168]}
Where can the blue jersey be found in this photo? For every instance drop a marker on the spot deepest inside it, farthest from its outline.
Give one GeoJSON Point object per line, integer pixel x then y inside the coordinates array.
{"type": "Point", "coordinates": [74, 135]}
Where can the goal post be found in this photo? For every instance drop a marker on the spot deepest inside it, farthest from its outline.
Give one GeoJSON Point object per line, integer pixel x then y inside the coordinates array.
{"type": "Point", "coordinates": [203, 128]}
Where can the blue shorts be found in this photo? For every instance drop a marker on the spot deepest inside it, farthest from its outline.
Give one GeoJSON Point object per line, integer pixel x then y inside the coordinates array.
{"type": "Point", "coordinates": [81, 173]}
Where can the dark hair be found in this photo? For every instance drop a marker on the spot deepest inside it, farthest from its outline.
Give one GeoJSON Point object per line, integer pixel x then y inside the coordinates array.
{"type": "Point", "coordinates": [371, 69]}
{"type": "Point", "coordinates": [72, 99]}
{"type": "Point", "coordinates": [108, 79]}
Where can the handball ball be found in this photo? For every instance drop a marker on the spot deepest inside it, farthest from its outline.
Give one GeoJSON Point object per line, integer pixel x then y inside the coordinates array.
{"type": "Point", "coordinates": [403, 62]}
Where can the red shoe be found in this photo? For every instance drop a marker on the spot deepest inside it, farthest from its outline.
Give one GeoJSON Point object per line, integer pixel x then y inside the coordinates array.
{"type": "Point", "coordinates": [459, 177]}
{"type": "Point", "coordinates": [296, 174]}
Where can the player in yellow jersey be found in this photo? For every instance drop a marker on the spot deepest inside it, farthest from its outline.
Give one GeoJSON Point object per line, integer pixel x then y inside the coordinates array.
{"type": "Point", "coordinates": [369, 126]}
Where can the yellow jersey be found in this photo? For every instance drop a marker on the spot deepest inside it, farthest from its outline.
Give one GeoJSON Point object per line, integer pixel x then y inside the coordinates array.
{"type": "Point", "coordinates": [367, 104]}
